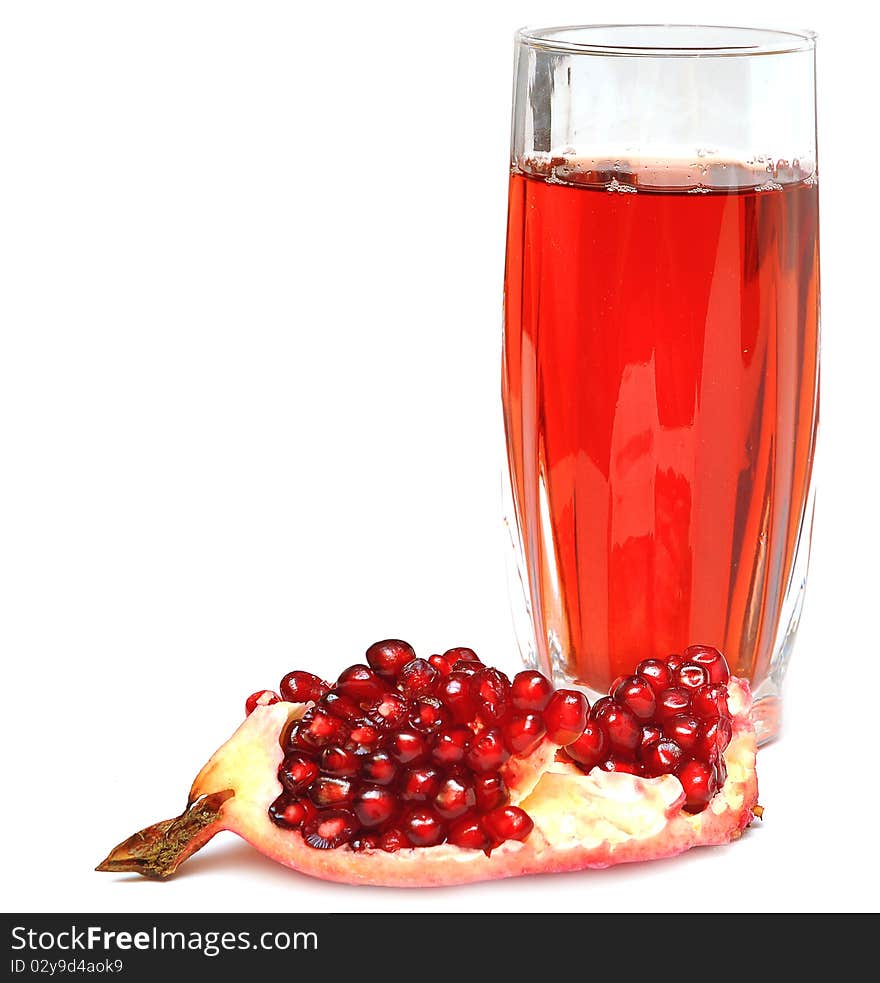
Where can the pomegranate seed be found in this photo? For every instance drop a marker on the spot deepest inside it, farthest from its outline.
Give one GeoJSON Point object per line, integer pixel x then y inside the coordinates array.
{"type": "Point", "coordinates": [690, 676]}
{"type": "Point", "coordinates": [490, 791]}
{"type": "Point", "coordinates": [670, 702]}
{"type": "Point", "coordinates": [522, 732]}
{"type": "Point", "coordinates": [650, 733]}
{"type": "Point", "coordinates": [390, 712]}
{"type": "Point", "coordinates": [468, 832]}
{"type": "Point", "coordinates": [379, 768]}
{"type": "Point", "coordinates": [364, 842]}
{"type": "Point", "coordinates": [530, 691]}
{"type": "Point", "coordinates": [656, 673]}
{"type": "Point", "coordinates": [624, 767]}
{"type": "Point", "coordinates": [338, 762]}
{"type": "Point", "coordinates": [374, 805]}
{"type": "Point", "coordinates": [451, 744]}
{"type": "Point", "coordinates": [290, 813]}
{"type": "Point", "coordinates": [684, 730]}
{"type": "Point", "coordinates": [622, 728]}
{"type": "Point", "coordinates": [328, 792]}
{"type": "Point", "coordinates": [262, 698]}
{"type": "Point", "coordinates": [455, 692]}
{"type": "Point", "coordinates": [454, 798]}
{"type": "Point", "coordinates": [674, 661]}
{"type": "Point", "coordinates": [636, 695]}
{"type": "Point", "coordinates": [295, 743]}
{"type": "Point", "coordinates": [598, 707]}
{"type": "Point", "coordinates": [340, 706]}
{"type": "Point", "coordinates": [388, 657]}
{"type": "Point", "coordinates": [418, 678]}
{"type": "Point", "coordinates": [487, 751]}
{"type": "Point", "coordinates": [296, 772]}
{"type": "Point", "coordinates": [420, 784]}
{"type": "Point", "coordinates": [711, 660]}
{"type": "Point", "coordinates": [462, 654]}
{"type": "Point", "coordinates": [428, 714]}
{"type": "Point", "coordinates": [720, 772]}
{"type": "Point", "coordinates": [710, 701]}
{"type": "Point", "coordinates": [713, 740]}
{"type": "Point", "coordinates": [329, 829]}
{"type": "Point", "coordinates": [491, 690]}
{"type": "Point", "coordinates": [407, 746]}
{"type": "Point", "coordinates": [441, 664]}
{"type": "Point", "coordinates": [393, 840]}
{"type": "Point", "coordinates": [423, 827]}
{"type": "Point", "coordinates": [508, 823]}
{"type": "Point", "coordinates": [360, 684]}
{"type": "Point", "coordinates": [699, 783]}
{"type": "Point", "coordinates": [300, 687]}
{"type": "Point", "coordinates": [319, 728]}
{"type": "Point", "coordinates": [363, 738]}
{"type": "Point", "coordinates": [590, 748]}
{"type": "Point", "coordinates": [660, 758]}
{"type": "Point", "coordinates": [566, 716]}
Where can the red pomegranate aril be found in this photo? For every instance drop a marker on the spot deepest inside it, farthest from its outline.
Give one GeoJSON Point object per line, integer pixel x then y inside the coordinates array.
{"type": "Point", "coordinates": [487, 751]}
{"type": "Point", "coordinates": [490, 791]}
{"type": "Point", "coordinates": [565, 716]}
{"type": "Point", "coordinates": [295, 743]}
{"type": "Point", "coordinates": [329, 829]}
{"type": "Point", "coordinates": [660, 758]}
{"type": "Point", "coordinates": [699, 784]}
{"type": "Point", "coordinates": [291, 813]}
{"type": "Point", "coordinates": [710, 701]}
{"type": "Point", "coordinates": [468, 833]}
{"type": "Point", "coordinates": [423, 827]}
{"type": "Point", "coordinates": [296, 772]}
{"type": "Point", "coordinates": [711, 660]}
{"type": "Point", "coordinates": [327, 793]}
{"type": "Point", "coordinates": [622, 728]}
{"type": "Point", "coordinates": [428, 714]}
{"type": "Point", "coordinates": [407, 746]}
{"type": "Point", "coordinates": [671, 702]}
{"type": "Point", "coordinates": [713, 740]}
{"type": "Point", "coordinates": [360, 684]}
{"type": "Point", "coordinates": [656, 673]}
{"type": "Point", "coordinates": [508, 823]}
{"type": "Point", "coordinates": [455, 693]}
{"type": "Point", "coordinates": [598, 708]}
{"type": "Point", "coordinates": [363, 738]}
{"type": "Point", "coordinates": [690, 676]}
{"type": "Point", "coordinates": [530, 691]}
{"type": "Point", "coordinates": [441, 664]}
{"type": "Point", "coordinates": [684, 729]}
{"type": "Point", "coordinates": [454, 798]}
{"type": "Point", "coordinates": [300, 687]}
{"type": "Point", "coordinates": [418, 678]}
{"type": "Point", "coordinates": [637, 696]}
{"type": "Point", "coordinates": [523, 732]}
{"type": "Point", "coordinates": [262, 698]}
{"type": "Point", "coordinates": [591, 747]}
{"type": "Point", "coordinates": [364, 842]}
{"type": "Point", "coordinates": [374, 805]}
{"type": "Point", "coordinates": [462, 654]}
{"type": "Point", "coordinates": [341, 706]}
{"type": "Point", "coordinates": [720, 772]}
{"type": "Point", "coordinates": [388, 657]}
{"type": "Point", "coordinates": [393, 840]}
{"type": "Point", "coordinates": [650, 733]}
{"type": "Point", "coordinates": [451, 744]}
{"type": "Point", "coordinates": [379, 768]}
{"type": "Point", "coordinates": [420, 784]}
{"type": "Point", "coordinates": [491, 690]}
{"type": "Point", "coordinates": [339, 762]}
{"type": "Point", "coordinates": [390, 711]}
{"type": "Point", "coordinates": [674, 661]}
{"type": "Point", "coordinates": [319, 728]}
{"type": "Point", "coordinates": [624, 767]}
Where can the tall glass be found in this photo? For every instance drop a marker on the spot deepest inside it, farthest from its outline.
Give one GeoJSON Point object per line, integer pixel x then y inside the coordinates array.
{"type": "Point", "coordinates": [661, 330]}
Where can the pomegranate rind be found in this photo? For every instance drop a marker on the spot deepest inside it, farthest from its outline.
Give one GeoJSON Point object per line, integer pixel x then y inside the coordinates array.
{"type": "Point", "coordinates": [581, 821]}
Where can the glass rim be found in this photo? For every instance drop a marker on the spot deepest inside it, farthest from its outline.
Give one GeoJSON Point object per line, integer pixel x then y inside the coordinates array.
{"type": "Point", "coordinates": [742, 41]}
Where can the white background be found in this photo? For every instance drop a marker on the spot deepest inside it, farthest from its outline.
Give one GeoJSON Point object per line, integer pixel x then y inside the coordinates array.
{"type": "Point", "coordinates": [249, 398]}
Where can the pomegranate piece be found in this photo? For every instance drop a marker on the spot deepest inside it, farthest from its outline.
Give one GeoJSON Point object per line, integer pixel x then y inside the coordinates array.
{"type": "Point", "coordinates": [262, 698]}
{"type": "Point", "coordinates": [388, 657]}
{"type": "Point", "coordinates": [566, 716]}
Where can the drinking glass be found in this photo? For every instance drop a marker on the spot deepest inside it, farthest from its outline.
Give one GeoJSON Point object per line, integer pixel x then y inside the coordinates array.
{"type": "Point", "coordinates": [661, 347]}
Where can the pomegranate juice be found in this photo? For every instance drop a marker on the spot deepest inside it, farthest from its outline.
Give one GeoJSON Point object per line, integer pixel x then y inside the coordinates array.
{"type": "Point", "coordinates": [660, 387]}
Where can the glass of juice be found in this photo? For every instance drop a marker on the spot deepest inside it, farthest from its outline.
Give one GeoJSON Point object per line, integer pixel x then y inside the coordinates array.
{"type": "Point", "coordinates": [661, 332]}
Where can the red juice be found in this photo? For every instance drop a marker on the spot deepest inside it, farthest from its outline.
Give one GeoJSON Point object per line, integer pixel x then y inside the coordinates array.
{"type": "Point", "coordinates": [660, 384]}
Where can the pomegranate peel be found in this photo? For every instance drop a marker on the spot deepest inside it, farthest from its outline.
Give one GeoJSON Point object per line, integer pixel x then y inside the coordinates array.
{"type": "Point", "coordinates": [580, 820]}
